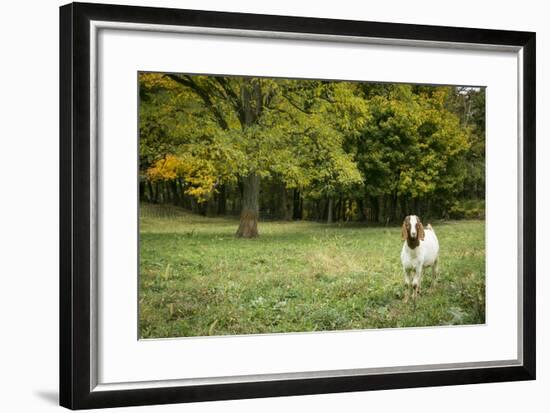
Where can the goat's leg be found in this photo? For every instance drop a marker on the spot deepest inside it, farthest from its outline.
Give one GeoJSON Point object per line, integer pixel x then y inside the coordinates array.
{"type": "Point", "coordinates": [416, 282]}
{"type": "Point", "coordinates": [407, 285]}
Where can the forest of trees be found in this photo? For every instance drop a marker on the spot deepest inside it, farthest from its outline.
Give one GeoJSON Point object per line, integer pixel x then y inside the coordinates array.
{"type": "Point", "coordinates": [284, 149]}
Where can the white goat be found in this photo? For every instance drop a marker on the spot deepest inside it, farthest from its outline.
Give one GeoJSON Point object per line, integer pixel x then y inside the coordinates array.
{"type": "Point", "coordinates": [420, 250]}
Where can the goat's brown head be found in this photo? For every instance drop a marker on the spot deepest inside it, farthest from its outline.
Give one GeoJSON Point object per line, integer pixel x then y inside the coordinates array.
{"type": "Point", "coordinates": [412, 231]}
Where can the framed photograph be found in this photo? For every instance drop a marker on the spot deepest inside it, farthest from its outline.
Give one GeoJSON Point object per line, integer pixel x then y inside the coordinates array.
{"type": "Point", "coordinates": [257, 206]}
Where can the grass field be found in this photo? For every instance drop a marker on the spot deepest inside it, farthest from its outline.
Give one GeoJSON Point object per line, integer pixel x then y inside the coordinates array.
{"type": "Point", "coordinates": [197, 279]}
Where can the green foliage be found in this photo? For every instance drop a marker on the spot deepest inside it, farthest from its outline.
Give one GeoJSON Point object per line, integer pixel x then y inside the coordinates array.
{"type": "Point", "coordinates": [411, 146]}
{"type": "Point", "coordinates": [468, 209]}
{"type": "Point", "coordinates": [197, 279]}
{"type": "Point", "coordinates": [323, 139]}
{"type": "Point", "coordinates": [273, 134]}
{"type": "Point", "coordinates": [469, 105]}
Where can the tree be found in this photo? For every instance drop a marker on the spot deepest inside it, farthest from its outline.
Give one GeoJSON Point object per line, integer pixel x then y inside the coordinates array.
{"type": "Point", "coordinates": [411, 147]}
{"type": "Point", "coordinates": [469, 105]}
{"type": "Point", "coordinates": [253, 128]}
{"type": "Point", "coordinates": [332, 170]}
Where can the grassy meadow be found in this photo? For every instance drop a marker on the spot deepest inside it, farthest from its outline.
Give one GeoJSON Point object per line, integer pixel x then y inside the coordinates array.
{"type": "Point", "coordinates": [198, 279]}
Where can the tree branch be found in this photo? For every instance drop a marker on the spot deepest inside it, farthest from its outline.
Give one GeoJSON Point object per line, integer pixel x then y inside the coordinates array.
{"type": "Point", "coordinates": [289, 100]}
{"type": "Point", "coordinates": [188, 82]}
{"type": "Point", "coordinates": [233, 98]}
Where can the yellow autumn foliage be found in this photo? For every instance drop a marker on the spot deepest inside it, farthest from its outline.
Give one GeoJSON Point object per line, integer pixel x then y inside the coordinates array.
{"type": "Point", "coordinates": [198, 175]}
{"type": "Point", "coordinates": [165, 169]}
{"type": "Point", "coordinates": [155, 80]}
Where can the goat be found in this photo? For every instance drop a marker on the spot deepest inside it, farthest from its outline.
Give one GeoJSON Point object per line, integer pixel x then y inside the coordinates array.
{"type": "Point", "coordinates": [420, 250]}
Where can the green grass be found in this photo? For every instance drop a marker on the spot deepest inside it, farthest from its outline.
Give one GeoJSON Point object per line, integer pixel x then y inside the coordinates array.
{"type": "Point", "coordinates": [197, 279]}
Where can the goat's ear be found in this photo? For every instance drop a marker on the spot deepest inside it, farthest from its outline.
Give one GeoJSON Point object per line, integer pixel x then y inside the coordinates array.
{"type": "Point", "coordinates": [420, 229]}
{"type": "Point", "coordinates": [404, 232]}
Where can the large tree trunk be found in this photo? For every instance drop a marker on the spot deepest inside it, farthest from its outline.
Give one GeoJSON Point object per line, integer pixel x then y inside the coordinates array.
{"type": "Point", "coordinates": [248, 226]}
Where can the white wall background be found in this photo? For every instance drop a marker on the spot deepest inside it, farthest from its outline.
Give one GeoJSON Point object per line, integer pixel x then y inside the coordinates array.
{"type": "Point", "coordinates": [29, 205]}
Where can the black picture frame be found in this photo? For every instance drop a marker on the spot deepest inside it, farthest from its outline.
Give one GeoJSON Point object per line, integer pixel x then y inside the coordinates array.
{"type": "Point", "coordinates": [75, 219]}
